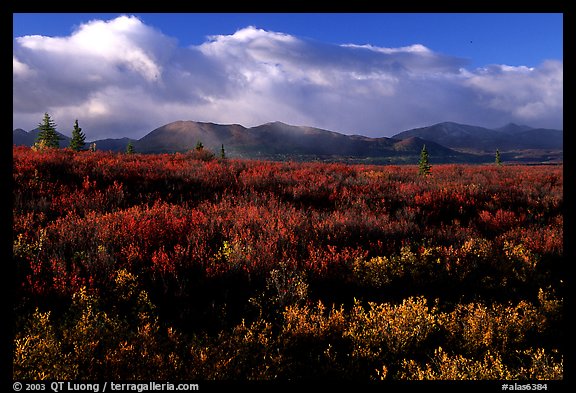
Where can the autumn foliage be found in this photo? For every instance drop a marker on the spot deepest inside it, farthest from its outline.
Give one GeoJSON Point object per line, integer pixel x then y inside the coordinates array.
{"type": "Point", "coordinates": [171, 266]}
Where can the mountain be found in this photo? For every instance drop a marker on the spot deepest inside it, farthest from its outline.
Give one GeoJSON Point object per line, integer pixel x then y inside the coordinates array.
{"type": "Point", "coordinates": [21, 137]}
{"type": "Point", "coordinates": [538, 138]}
{"type": "Point", "coordinates": [280, 138]}
{"type": "Point", "coordinates": [112, 144]}
{"type": "Point", "coordinates": [445, 142]}
{"type": "Point", "coordinates": [279, 141]}
{"type": "Point", "coordinates": [512, 128]}
{"type": "Point", "coordinates": [475, 139]}
{"type": "Point", "coordinates": [274, 141]}
{"type": "Point", "coordinates": [455, 135]}
{"type": "Point", "coordinates": [183, 136]}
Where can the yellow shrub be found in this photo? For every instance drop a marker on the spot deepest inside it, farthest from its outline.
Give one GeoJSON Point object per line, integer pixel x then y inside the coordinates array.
{"type": "Point", "coordinates": [476, 328]}
{"type": "Point", "coordinates": [374, 272]}
{"type": "Point", "coordinates": [540, 366]}
{"type": "Point", "coordinates": [38, 353]}
{"type": "Point", "coordinates": [244, 353]}
{"type": "Point", "coordinates": [396, 329]}
{"type": "Point", "coordinates": [91, 342]}
{"type": "Point", "coordinates": [306, 321]}
{"type": "Point", "coordinates": [456, 367]}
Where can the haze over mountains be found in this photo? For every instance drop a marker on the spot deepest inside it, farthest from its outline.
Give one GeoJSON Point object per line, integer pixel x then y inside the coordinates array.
{"type": "Point", "coordinates": [446, 142]}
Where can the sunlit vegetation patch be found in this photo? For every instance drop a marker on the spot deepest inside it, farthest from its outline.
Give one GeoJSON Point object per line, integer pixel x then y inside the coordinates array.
{"type": "Point", "coordinates": [174, 266]}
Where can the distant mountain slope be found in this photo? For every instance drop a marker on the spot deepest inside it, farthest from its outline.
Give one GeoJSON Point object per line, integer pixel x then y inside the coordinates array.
{"type": "Point", "coordinates": [278, 140]}
{"type": "Point", "coordinates": [183, 136]}
{"type": "Point", "coordinates": [445, 142]}
{"type": "Point", "coordinates": [513, 128]}
{"type": "Point", "coordinates": [537, 138]}
{"type": "Point", "coordinates": [480, 139]}
{"type": "Point", "coordinates": [455, 135]}
{"type": "Point", "coordinates": [112, 144]}
{"type": "Point", "coordinates": [415, 144]}
{"type": "Point", "coordinates": [21, 137]}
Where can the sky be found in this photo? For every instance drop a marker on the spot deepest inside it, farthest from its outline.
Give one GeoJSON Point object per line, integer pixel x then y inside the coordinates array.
{"type": "Point", "coordinates": [123, 75]}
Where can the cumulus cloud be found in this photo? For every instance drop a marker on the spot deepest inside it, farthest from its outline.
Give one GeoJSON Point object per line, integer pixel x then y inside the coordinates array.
{"type": "Point", "coordinates": [124, 78]}
{"type": "Point", "coordinates": [531, 94]}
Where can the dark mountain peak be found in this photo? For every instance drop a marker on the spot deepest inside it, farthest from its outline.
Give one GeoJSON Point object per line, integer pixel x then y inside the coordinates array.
{"type": "Point", "coordinates": [513, 128]}
{"type": "Point", "coordinates": [484, 140]}
{"type": "Point", "coordinates": [447, 133]}
{"type": "Point", "coordinates": [24, 138]}
{"type": "Point", "coordinates": [21, 137]}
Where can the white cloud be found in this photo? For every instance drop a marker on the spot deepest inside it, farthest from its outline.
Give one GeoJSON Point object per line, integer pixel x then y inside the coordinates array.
{"type": "Point", "coordinates": [416, 48]}
{"type": "Point", "coordinates": [528, 94]}
{"type": "Point", "coordinates": [20, 69]}
{"type": "Point", "coordinates": [124, 78]}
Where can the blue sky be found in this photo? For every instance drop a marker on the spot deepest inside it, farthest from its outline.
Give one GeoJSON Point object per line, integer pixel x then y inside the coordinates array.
{"type": "Point", "coordinates": [489, 38]}
{"type": "Point", "coordinates": [364, 63]}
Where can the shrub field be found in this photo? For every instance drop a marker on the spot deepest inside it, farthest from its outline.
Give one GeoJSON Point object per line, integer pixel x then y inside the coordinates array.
{"type": "Point", "coordinates": [174, 266]}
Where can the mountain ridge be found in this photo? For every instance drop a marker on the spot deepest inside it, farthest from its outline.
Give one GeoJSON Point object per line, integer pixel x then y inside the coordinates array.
{"type": "Point", "coordinates": [483, 140]}
{"type": "Point", "coordinates": [446, 142]}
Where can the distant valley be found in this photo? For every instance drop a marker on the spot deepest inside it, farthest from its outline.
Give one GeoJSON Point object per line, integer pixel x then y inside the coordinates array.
{"type": "Point", "coordinates": [446, 142]}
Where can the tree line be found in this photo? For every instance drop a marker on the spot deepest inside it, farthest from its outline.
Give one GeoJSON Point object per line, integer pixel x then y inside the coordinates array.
{"type": "Point", "coordinates": [49, 138]}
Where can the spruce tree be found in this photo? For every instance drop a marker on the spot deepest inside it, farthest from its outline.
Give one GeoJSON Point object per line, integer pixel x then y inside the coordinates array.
{"type": "Point", "coordinates": [130, 148]}
{"type": "Point", "coordinates": [78, 138]}
{"type": "Point", "coordinates": [423, 164]}
{"type": "Point", "coordinates": [47, 137]}
{"type": "Point", "coordinates": [498, 158]}
{"type": "Point", "coordinates": [222, 152]}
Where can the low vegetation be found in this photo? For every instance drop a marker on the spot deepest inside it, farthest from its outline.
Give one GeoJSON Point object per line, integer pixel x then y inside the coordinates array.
{"type": "Point", "coordinates": [184, 266]}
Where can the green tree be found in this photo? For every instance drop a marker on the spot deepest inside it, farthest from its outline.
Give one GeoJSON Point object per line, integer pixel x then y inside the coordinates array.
{"type": "Point", "coordinates": [130, 148]}
{"type": "Point", "coordinates": [222, 152]}
{"type": "Point", "coordinates": [498, 158]}
{"type": "Point", "coordinates": [424, 164]}
{"type": "Point", "coordinates": [199, 146]}
{"type": "Point", "coordinates": [78, 138]}
{"type": "Point", "coordinates": [47, 137]}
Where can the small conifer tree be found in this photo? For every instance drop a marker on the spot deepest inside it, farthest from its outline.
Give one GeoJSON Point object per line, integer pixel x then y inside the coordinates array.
{"type": "Point", "coordinates": [78, 138]}
{"type": "Point", "coordinates": [498, 158]}
{"type": "Point", "coordinates": [222, 152]}
{"type": "Point", "coordinates": [48, 137]}
{"type": "Point", "coordinates": [424, 165]}
{"type": "Point", "coordinates": [130, 148]}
